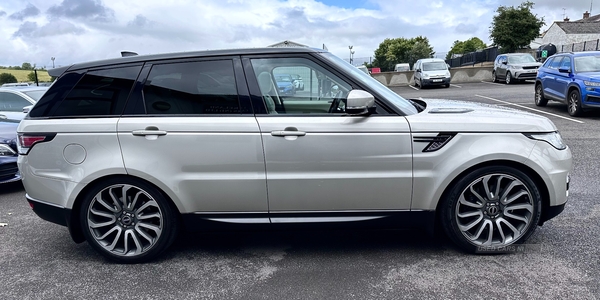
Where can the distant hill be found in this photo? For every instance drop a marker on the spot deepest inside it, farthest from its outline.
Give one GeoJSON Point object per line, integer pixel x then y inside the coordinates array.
{"type": "Point", "coordinates": [21, 75]}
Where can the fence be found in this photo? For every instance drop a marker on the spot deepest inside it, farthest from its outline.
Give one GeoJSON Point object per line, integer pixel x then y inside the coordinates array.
{"type": "Point", "coordinates": [583, 46]}
{"type": "Point", "coordinates": [472, 58]}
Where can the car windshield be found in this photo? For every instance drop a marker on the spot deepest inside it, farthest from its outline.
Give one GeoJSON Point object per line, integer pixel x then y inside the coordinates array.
{"type": "Point", "coordinates": [520, 59]}
{"type": "Point", "coordinates": [35, 95]}
{"type": "Point", "coordinates": [377, 86]}
{"type": "Point", "coordinates": [434, 66]}
{"type": "Point", "coordinates": [589, 63]}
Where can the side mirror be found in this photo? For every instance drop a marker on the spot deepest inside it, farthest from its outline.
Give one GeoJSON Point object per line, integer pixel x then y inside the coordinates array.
{"type": "Point", "coordinates": [360, 102]}
{"type": "Point", "coordinates": [418, 70]}
{"type": "Point", "coordinates": [564, 70]}
{"type": "Point", "coordinates": [504, 62]}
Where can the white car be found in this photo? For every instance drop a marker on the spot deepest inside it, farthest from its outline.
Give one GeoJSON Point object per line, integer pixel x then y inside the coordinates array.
{"type": "Point", "coordinates": [15, 101]}
{"type": "Point", "coordinates": [129, 151]}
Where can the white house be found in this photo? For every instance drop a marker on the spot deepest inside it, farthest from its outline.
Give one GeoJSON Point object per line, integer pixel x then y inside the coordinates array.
{"type": "Point", "coordinates": [568, 32]}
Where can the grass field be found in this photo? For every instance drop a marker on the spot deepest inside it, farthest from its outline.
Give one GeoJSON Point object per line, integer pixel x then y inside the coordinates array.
{"type": "Point", "coordinates": [21, 75]}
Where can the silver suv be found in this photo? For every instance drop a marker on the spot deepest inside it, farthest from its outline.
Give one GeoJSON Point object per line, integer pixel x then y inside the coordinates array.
{"type": "Point", "coordinates": [514, 67]}
{"type": "Point", "coordinates": [127, 152]}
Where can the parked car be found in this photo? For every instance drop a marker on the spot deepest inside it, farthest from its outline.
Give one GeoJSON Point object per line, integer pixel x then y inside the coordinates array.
{"type": "Point", "coordinates": [514, 67]}
{"type": "Point", "coordinates": [16, 84]}
{"type": "Point", "coordinates": [9, 171]}
{"type": "Point", "coordinates": [285, 84]}
{"type": "Point", "coordinates": [431, 71]}
{"type": "Point", "coordinates": [298, 82]}
{"type": "Point", "coordinates": [14, 100]}
{"type": "Point", "coordinates": [572, 78]}
{"type": "Point", "coordinates": [127, 152]}
{"type": "Point", "coordinates": [404, 67]}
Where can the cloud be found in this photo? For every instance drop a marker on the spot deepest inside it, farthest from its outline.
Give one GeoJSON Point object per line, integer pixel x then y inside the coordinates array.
{"type": "Point", "coordinates": [2, 13]}
{"type": "Point", "coordinates": [58, 27]}
{"type": "Point", "coordinates": [82, 9]}
{"type": "Point", "coordinates": [29, 11]}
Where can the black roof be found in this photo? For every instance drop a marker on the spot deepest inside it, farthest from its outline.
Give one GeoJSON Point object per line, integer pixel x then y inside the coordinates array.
{"type": "Point", "coordinates": [579, 27]}
{"type": "Point", "coordinates": [142, 58]}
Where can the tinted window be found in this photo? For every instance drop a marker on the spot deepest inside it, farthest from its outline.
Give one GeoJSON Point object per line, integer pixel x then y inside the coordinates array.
{"type": "Point", "coordinates": [202, 87]}
{"type": "Point", "coordinates": [98, 93]}
{"type": "Point", "coordinates": [12, 102]}
{"type": "Point", "coordinates": [566, 63]}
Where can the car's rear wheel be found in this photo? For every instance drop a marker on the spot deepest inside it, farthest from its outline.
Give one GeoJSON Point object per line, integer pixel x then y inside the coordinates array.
{"type": "Point", "coordinates": [574, 104]}
{"type": "Point", "coordinates": [491, 208]}
{"type": "Point", "coordinates": [509, 78]}
{"type": "Point", "coordinates": [494, 78]}
{"type": "Point", "coordinates": [539, 95]}
{"type": "Point", "coordinates": [127, 220]}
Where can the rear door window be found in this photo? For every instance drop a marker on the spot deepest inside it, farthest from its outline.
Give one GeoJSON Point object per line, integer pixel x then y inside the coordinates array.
{"type": "Point", "coordinates": [192, 88]}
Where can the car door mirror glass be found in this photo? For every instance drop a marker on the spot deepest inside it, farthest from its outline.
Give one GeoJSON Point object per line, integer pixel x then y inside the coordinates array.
{"type": "Point", "coordinates": [564, 70]}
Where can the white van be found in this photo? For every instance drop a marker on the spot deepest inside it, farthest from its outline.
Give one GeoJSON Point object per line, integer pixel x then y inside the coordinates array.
{"type": "Point", "coordinates": [402, 67]}
{"type": "Point", "coordinates": [431, 71]}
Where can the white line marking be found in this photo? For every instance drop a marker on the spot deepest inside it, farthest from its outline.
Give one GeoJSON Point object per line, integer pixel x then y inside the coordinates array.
{"type": "Point", "coordinates": [494, 83]}
{"type": "Point", "coordinates": [536, 110]}
{"type": "Point", "coordinates": [454, 85]}
{"type": "Point", "coordinates": [412, 87]}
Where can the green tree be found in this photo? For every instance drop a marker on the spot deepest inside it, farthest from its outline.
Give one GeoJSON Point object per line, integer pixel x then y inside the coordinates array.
{"type": "Point", "coordinates": [31, 76]}
{"type": "Point", "coordinates": [26, 66]}
{"type": "Point", "coordinates": [401, 50]}
{"type": "Point", "coordinates": [7, 78]}
{"type": "Point", "coordinates": [461, 47]}
{"type": "Point", "coordinates": [514, 28]}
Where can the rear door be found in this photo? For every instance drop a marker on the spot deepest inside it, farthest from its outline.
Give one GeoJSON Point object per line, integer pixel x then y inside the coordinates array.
{"type": "Point", "coordinates": [320, 161]}
{"type": "Point", "coordinates": [191, 131]}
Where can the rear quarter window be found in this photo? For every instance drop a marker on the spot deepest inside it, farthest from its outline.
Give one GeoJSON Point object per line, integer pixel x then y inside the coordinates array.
{"type": "Point", "coordinates": [95, 93]}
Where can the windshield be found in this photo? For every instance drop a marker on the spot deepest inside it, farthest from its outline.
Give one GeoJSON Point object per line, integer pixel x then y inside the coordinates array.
{"type": "Point", "coordinates": [434, 66]}
{"type": "Point", "coordinates": [283, 78]}
{"type": "Point", "coordinates": [587, 63]}
{"type": "Point", "coordinates": [520, 59]}
{"type": "Point", "coordinates": [377, 86]}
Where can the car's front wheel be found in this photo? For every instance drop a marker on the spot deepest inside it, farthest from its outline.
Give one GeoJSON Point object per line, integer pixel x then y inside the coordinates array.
{"type": "Point", "coordinates": [539, 95]}
{"type": "Point", "coordinates": [494, 78]}
{"type": "Point", "coordinates": [491, 208]}
{"type": "Point", "coordinates": [509, 78]}
{"type": "Point", "coordinates": [127, 220]}
{"type": "Point", "coordinates": [574, 104]}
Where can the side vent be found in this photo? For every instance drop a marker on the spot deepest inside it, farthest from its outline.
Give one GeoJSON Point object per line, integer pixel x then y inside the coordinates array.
{"type": "Point", "coordinates": [435, 142]}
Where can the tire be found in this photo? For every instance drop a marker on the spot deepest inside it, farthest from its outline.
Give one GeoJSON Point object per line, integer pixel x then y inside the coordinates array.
{"type": "Point", "coordinates": [494, 78]}
{"type": "Point", "coordinates": [469, 215]}
{"type": "Point", "coordinates": [509, 78]}
{"type": "Point", "coordinates": [574, 104]}
{"type": "Point", "coordinates": [446, 85]}
{"type": "Point", "coordinates": [539, 95]}
{"type": "Point", "coordinates": [133, 233]}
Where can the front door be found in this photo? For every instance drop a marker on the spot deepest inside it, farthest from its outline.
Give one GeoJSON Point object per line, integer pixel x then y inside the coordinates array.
{"type": "Point", "coordinates": [320, 160]}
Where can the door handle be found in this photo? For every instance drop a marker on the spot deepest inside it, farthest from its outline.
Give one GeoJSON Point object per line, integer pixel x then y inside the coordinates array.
{"type": "Point", "coordinates": [150, 130]}
{"type": "Point", "coordinates": [288, 131]}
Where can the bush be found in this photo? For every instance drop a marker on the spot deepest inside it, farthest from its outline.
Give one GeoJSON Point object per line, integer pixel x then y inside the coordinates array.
{"type": "Point", "coordinates": [7, 78]}
{"type": "Point", "coordinates": [31, 77]}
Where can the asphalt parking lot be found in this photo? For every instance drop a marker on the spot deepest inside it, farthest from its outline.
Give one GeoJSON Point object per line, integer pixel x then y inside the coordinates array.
{"type": "Point", "coordinates": [38, 260]}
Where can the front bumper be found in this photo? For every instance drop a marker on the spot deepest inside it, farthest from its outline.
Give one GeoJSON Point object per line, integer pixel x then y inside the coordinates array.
{"type": "Point", "coordinates": [9, 171]}
{"type": "Point", "coordinates": [525, 74]}
{"type": "Point", "coordinates": [435, 81]}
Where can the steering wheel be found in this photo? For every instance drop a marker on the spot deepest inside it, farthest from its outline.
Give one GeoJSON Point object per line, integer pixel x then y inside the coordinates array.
{"type": "Point", "coordinates": [335, 104]}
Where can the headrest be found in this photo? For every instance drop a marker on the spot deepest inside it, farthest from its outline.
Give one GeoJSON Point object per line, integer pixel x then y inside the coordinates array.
{"type": "Point", "coordinates": [265, 82]}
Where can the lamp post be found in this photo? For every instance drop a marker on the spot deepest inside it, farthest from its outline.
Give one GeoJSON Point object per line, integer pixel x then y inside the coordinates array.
{"type": "Point", "coordinates": [52, 58]}
{"type": "Point", "coordinates": [351, 57]}
{"type": "Point", "coordinates": [350, 47]}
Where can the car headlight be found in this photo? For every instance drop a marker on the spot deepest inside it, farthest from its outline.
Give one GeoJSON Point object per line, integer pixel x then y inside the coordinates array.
{"type": "Point", "coordinates": [5, 150]}
{"type": "Point", "coordinates": [552, 138]}
{"type": "Point", "coordinates": [516, 67]}
{"type": "Point", "coordinates": [448, 74]}
{"type": "Point", "coordinates": [591, 83]}
{"type": "Point", "coordinates": [425, 76]}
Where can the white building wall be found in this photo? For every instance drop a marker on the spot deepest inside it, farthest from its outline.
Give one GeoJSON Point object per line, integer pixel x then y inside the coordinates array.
{"type": "Point", "coordinates": [554, 35]}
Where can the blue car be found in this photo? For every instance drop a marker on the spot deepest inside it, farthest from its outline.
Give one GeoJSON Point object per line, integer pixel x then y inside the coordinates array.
{"type": "Point", "coordinates": [9, 171]}
{"type": "Point", "coordinates": [572, 78]}
{"type": "Point", "coordinates": [285, 84]}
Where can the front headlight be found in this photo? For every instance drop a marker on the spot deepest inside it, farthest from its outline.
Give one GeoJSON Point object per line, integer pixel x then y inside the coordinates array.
{"type": "Point", "coordinates": [552, 138]}
{"type": "Point", "coordinates": [5, 150]}
{"type": "Point", "coordinates": [425, 76]}
{"type": "Point", "coordinates": [591, 83]}
{"type": "Point", "coordinates": [516, 67]}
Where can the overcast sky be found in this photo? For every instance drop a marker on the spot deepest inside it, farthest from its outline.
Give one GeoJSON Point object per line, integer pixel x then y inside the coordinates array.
{"type": "Point", "coordinates": [84, 30]}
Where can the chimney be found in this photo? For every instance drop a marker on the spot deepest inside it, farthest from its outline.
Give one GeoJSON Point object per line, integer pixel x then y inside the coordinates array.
{"type": "Point", "coordinates": [566, 19]}
{"type": "Point", "coordinates": [586, 15]}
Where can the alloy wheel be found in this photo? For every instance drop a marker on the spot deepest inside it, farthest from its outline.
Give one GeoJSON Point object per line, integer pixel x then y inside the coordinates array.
{"type": "Point", "coordinates": [495, 210]}
{"type": "Point", "coordinates": [125, 220]}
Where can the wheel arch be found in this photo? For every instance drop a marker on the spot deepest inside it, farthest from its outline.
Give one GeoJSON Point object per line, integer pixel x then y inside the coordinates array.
{"type": "Point", "coordinates": [535, 177]}
{"type": "Point", "coordinates": [74, 223]}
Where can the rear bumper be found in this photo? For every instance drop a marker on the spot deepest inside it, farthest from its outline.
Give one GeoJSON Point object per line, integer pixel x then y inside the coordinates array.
{"type": "Point", "coordinates": [50, 212]}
